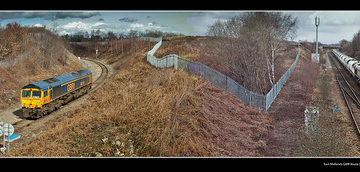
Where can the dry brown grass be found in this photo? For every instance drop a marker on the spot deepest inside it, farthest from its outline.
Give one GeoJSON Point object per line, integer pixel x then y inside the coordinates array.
{"type": "Point", "coordinates": [184, 46]}
{"type": "Point", "coordinates": [30, 59]}
{"type": "Point", "coordinates": [288, 109]}
{"type": "Point", "coordinates": [224, 55]}
{"type": "Point", "coordinates": [144, 111]}
{"type": "Point", "coordinates": [229, 127]}
{"type": "Point", "coordinates": [140, 106]}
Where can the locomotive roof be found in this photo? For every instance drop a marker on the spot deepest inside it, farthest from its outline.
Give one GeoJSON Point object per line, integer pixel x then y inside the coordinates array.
{"type": "Point", "coordinates": [58, 80]}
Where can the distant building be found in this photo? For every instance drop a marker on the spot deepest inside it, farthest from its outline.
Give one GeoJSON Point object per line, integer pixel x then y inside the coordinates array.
{"type": "Point", "coordinates": [331, 46]}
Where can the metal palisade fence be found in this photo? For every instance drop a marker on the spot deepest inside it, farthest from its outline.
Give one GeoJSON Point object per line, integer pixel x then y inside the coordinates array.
{"type": "Point", "coordinates": [275, 90]}
{"type": "Point", "coordinates": [220, 80]}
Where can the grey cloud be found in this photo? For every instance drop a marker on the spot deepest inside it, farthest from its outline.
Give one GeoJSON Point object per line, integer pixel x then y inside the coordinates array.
{"type": "Point", "coordinates": [81, 15]}
{"type": "Point", "coordinates": [9, 15]}
{"type": "Point", "coordinates": [128, 19]}
{"type": "Point", "coordinates": [217, 15]}
{"type": "Point", "coordinates": [47, 15]}
{"type": "Point", "coordinates": [14, 15]}
{"type": "Point", "coordinates": [36, 14]}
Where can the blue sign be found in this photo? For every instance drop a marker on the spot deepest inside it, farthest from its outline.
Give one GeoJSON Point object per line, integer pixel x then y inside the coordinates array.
{"type": "Point", "coordinates": [13, 137]}
{"type": "Point", "coordinates": [335, 109]}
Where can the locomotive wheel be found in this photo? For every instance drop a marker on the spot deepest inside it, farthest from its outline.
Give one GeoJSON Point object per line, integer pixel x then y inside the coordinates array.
{"type": "Point", "coordinates": [25, 113]}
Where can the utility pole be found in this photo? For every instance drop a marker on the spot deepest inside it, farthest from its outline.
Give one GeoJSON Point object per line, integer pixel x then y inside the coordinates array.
{"type": "Point", "coordinates": [317, 22]}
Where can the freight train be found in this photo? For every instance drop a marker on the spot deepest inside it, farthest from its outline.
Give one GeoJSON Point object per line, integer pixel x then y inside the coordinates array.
{"type": "Point", "coordinates": [351, 65]}
{"type": "Point", "coordinates": [42, 97]}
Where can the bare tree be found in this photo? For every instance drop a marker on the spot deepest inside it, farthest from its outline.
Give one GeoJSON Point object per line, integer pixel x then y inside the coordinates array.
{"type": "Point", "coordinates": [54, 28]}
{"type": "Point", "coordinates": [257, 36]}
{"type": "Point", "coordinates": [355, 44]}
{"type": "Point", "coordinates": [273, 28]}
{"type": "Point", "coordinates": [217, 29]}
{"type": "Point", "coordinates": [346, 46]}
{"type": "Point", "coordinates": [121, 37]}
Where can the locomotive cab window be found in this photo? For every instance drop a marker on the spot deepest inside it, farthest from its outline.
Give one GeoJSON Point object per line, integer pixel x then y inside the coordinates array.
{"type": "Point", "coordinates": [25, 93]}
{"type": "Point", "coordinates": [45, 93]}
{"type": "Point", "coordinates": [36, 94]}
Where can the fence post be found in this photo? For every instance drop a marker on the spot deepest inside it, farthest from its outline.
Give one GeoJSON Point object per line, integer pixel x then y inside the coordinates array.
{"type": "Point", "coordinates": [250, 93]}
{"type": "Point", "coordinates": [267, 99]}
{"type": "Point", "coordinates": [175, 62]}
{"type": "Point", "coordinates": [266, 103]}
{"type": "Point", "coordinates": [226, 83]}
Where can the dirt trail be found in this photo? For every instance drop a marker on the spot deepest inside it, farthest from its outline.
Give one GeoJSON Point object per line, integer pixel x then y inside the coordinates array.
{"type": "Point", "coordinates": [288, 110]}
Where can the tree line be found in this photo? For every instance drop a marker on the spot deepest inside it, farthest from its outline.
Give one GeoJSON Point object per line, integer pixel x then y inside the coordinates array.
{"type": "Point", "coordinates": [97, 35]}
{"type": "Point", "coordinates": [352, 48]}
{"type": "Point", "coordinates": [34, 44]}
{"type": "Point", "coordinates": [252, 42]}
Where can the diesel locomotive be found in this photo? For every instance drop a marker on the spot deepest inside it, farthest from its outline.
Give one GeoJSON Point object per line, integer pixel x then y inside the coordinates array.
{"type": "Point", "coordinates": [42, 97]}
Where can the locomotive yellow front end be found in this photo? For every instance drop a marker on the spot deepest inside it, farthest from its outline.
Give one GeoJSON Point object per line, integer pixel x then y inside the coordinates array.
{"type": "Point", "coordinates": [30, 100]}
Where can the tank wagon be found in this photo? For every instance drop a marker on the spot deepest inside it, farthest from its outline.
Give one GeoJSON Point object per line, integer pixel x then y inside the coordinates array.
{"type": "Point", "coordinates": [352, 65]}
{"type": "Point", "coordinates": [42, 97]}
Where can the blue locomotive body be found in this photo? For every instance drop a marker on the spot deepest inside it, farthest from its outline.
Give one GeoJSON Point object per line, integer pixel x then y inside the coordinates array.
{"type": "Point", "coordinates": [46, 95]}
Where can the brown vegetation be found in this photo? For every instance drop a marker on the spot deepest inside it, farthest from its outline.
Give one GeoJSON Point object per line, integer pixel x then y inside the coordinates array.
{"type": "Point", "coordinates": [144, 111]}
{"type": "Point", "coordinates": [215, 53]}
{"type": "Point", "coordinates": [288, 109]}
{"type": "Point", "coordinates": [230, 128]}
{"type": "Point", "coordinates": [351, 48]}
{"type": "Point", "coordinates": [27, 55]}
{"type": "Point", "coordinates": [109, 49]}
{"type": "Point", "coordinates": [253, 43]}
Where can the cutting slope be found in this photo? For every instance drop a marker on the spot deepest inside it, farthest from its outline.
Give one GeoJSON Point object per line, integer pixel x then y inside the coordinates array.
{"type": "Point", "coordinates": [144, 111]}
{"type": "Point", "coordinates": [230, 58]}
{"type": "Point", "coordinates": [29, 54]}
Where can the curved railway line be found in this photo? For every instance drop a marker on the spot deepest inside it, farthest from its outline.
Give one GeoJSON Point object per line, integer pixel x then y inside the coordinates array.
{"type": "Point", "coordinates": [104, 74]}
{"type": "Point", "coordinates": [96, 84]}
{"type": "Point", "coordinates": [29, 128]}
{"type": "Point", "coordinates": [349, 89]}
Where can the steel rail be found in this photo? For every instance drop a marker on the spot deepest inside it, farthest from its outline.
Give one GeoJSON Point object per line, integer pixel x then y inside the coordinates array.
{"type": "Point", "coordinates": [344, 93]}
{"type": "Point", "coordinates": [349, 107]}
{"type": "Point", "coordinates": [347, 83]}
{"type": "Point", "coordinates": [104, 73]}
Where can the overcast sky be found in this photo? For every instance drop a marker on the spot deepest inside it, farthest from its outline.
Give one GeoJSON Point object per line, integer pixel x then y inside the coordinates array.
{"type": "Point", "coordinates": [334, 25]}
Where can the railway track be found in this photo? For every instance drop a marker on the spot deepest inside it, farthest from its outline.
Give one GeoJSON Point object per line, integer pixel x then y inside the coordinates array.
{"type": "Point", "coordinates": [349, 90]}
{"type": "Point", "coordinates": [29, 129]}
{"type": "Point", "coordinates": [104, 74]}
{"type": "Point", "coordinates": [24, 123]}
